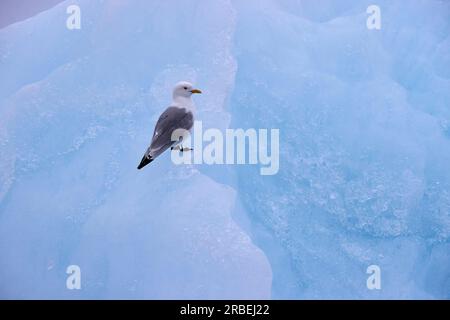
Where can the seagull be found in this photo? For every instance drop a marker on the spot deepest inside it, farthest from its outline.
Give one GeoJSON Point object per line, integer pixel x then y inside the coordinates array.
{"type": "Point", "coordinates": [179, 115]}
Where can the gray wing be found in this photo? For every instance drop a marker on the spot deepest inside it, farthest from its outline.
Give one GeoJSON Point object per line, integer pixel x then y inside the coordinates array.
{"type": "Point", "coordinates": [171, 119]}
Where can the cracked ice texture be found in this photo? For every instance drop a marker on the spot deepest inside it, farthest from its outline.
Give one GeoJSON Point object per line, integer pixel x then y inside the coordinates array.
{"type": "Point", "coordinates": [365, 153]}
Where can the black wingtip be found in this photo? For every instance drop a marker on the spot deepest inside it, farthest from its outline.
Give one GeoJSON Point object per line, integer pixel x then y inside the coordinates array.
{"type": "Point", "coordinates": [145, 161]}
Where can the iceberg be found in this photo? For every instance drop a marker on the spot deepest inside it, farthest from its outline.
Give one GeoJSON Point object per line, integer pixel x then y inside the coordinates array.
{"type": "Point", "coordinates": [364, 129]}
{"type": "Point", "coordinates": [76, 113]}
{"type": "Point", "coordinates": [364, 145]}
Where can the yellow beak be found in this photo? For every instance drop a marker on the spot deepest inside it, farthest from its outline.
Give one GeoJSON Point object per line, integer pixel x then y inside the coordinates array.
{"type": "Point", "coordinates": [196, 91]}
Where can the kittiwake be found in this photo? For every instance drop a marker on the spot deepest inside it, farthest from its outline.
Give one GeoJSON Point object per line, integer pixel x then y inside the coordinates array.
{"type": "Point", "coordinates": [179, 115]}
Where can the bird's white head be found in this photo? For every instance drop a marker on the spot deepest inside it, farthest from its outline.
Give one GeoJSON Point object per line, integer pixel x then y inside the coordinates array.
{"type": "Point", "coordinates": [184, 89]}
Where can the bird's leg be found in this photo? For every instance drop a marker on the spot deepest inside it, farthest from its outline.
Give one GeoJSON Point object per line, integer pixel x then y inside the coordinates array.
{"type": "Point", "coordinates": [181, 148]}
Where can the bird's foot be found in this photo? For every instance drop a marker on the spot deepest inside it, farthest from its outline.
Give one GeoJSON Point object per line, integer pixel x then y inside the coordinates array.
{"type": "Point", "coordinates": [181, 148]}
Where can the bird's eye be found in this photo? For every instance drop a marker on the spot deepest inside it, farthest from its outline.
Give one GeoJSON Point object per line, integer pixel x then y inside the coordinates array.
{"type": "Point", "coordinates": [185, 88]}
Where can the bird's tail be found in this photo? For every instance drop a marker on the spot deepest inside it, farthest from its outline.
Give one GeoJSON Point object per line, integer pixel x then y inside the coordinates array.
{"type": "Point", "coordinates": [145, 161]}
